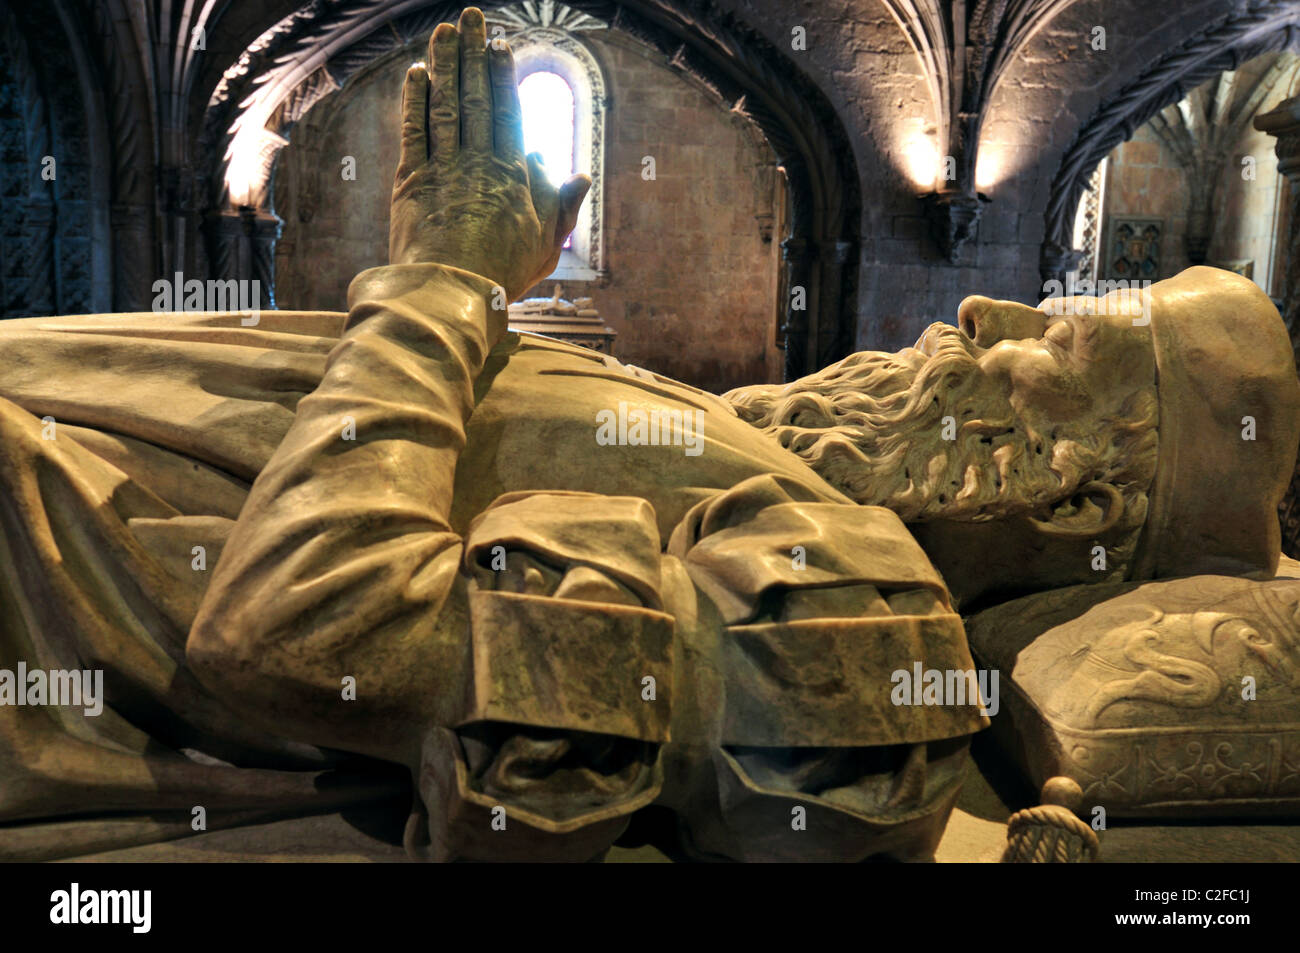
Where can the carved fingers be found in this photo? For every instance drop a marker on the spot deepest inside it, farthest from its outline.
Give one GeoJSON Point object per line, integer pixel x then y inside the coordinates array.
{"type": "Point", "coordinates": [572, 192]}
{"type": "Point", "coordinates": [414, 150]}
{"type": "Point", "coordinates": [463, 189]}
{"type": "Point", "coordinates": [444, 96]}
{"type": "Point", "coordinates": [466, 98]}
{"type": "Point", "coordinates": [475, 85]}
{"type": "Point", "coordinates": [507, 120]}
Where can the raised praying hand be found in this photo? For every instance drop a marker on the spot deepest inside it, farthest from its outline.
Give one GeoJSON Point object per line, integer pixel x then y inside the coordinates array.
{"type": "Point", "coordinates": [465, 194]}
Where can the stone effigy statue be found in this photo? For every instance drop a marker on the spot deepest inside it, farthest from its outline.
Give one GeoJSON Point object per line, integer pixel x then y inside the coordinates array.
{"type": "Point", "coordinates": [562, 592]}
{"type": "Point", "coordinates": [577, 322]}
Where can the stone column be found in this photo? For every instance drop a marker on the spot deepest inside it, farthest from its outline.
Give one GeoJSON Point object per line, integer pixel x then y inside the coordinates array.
{"type": "Point", "coordinates": [1200, 216]}
{"type": "Point", "coordinates": [37, 267]}
{"type": "Point", "coordinates": [241, 245]}
{"type": "Point", "coordinates": [227, 246]}
{"type": "Point", "coordinates": [133, 250]}
{"type": "Point", "coordinates": [1283, 123]}
{"type": "Point", "coordinates": [263, 231]}
{"type": "Point", "coordinates": [1055, 262]}
{"type": "Point", "coordinates": [798, 255]}
{"type": "Point", "coordinates": [834, 325]}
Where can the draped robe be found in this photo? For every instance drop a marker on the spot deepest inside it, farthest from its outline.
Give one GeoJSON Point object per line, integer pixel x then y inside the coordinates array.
{"type": "Point", "coordinates": [128, 447]}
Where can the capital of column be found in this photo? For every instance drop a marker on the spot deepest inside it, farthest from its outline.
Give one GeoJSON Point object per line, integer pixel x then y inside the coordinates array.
{"type": "Point", "coordinates": [1283, 123]}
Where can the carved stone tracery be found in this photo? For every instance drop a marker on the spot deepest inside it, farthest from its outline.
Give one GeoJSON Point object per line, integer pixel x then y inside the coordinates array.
{"type": "Point", "coordinates": [54, 244]}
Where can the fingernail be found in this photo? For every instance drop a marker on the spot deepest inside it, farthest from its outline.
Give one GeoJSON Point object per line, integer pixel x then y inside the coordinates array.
{"type": "Point", "coordinates": [444, 32]}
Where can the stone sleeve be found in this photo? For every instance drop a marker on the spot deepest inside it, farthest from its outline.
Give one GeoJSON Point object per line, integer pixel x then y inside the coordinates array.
{"type": "Point", "coordinates": [342, 562]}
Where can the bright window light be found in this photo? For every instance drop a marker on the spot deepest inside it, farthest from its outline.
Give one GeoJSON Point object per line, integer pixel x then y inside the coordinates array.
{"type": "Point", "coordinates": [548, 107]}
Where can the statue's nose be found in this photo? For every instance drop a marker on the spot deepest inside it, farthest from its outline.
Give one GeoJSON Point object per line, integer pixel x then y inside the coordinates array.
{"type": "Point", "coordinates": [986, 322]}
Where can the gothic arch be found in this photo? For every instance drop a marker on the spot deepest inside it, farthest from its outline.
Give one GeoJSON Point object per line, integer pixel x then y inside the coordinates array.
{"type": "Point", "coordinates": [1223, 45]}
{"type": "Point", "coordinates": [317, 49]}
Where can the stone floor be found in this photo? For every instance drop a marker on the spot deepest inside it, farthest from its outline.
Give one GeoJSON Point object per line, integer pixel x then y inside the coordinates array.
{"type": "Point", "coordinates": [975, 833]}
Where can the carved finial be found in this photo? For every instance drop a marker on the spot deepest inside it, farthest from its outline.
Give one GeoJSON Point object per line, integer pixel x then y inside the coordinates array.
{"type": "Point", "coordinates": [1052, 833]}
{"type": "Point", "coordinates": [1063, 792]}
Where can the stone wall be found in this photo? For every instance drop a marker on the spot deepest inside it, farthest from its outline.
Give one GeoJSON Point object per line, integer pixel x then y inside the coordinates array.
{"type": "Point", "coordinates": [1143, 179]}
{"type": "Point", "coordinates": [332, 186]}
{"type": "Point", "coordinates": [691, 287]}
{"type": "Point", "coordinates": [1248, 220]}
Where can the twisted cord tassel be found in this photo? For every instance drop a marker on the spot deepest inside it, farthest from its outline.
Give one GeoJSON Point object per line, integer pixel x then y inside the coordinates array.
{"type": "Point", "coordinates": [1052, 833]}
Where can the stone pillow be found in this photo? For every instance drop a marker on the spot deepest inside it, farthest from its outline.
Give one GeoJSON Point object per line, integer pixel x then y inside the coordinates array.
{"type": "Point", "coordinates": [1178, 697]}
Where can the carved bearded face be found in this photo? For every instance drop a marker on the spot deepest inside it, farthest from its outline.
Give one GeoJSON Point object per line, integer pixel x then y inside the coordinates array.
{"type": "Point", "coordinates": [1006, 415]}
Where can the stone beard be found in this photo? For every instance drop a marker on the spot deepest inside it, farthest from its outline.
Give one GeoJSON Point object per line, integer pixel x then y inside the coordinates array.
{"type": "Point", "coordinates": [928, 434]}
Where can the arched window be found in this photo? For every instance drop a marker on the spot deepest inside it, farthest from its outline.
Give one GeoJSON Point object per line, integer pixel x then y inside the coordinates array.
{"type": "Point", "coordinates": [550, 124]}
{"type": "Point", "coordinates": [562, 95]}
{"type": "Point", "coordinates": [547, 102]}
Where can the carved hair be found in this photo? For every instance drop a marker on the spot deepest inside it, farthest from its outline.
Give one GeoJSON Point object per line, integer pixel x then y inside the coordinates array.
{"type": "Point", "coordinates": [872, 425]}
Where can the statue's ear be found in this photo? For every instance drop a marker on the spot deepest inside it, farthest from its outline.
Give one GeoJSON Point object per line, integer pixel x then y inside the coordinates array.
{"type": "Point", "coordinates": [1092, 510]}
